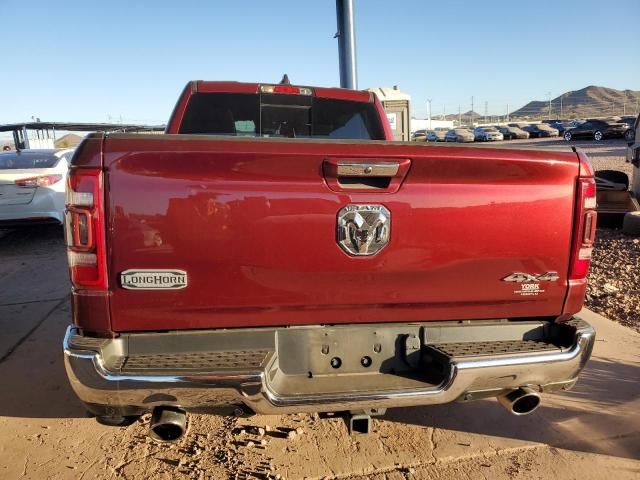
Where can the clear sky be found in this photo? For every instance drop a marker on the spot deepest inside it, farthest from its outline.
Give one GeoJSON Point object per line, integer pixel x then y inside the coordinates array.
{"type": "Point", "coordinates": [111, 60]}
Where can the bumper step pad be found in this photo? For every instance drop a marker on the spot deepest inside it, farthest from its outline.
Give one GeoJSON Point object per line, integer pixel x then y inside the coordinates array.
{"type": "Point", "coordinates": [200, 362]}
{"type": "Point", "coordinates": [466, 350]}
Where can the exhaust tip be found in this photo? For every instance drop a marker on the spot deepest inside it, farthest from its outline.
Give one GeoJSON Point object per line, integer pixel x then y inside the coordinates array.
{"type": "Point", "coordinates": [168, 424]}
{"type": "Point", "coordinates": [525, 404]}
{"type": "Point", "coordinates": [521, 401]}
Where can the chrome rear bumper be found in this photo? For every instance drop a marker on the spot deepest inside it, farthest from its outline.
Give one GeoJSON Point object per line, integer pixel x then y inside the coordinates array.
{"type": "Point", "coordinates": [100, 376]}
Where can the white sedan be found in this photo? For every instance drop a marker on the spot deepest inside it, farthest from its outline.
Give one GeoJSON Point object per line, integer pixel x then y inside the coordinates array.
{"type": "Point", "coordinates": [32, 184]}
{"type": "Point", "coordinates": [487, 134]}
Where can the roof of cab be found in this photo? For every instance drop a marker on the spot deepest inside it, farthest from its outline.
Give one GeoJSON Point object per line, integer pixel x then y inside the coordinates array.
{"type": "Point", "coordinates": [242, 87]}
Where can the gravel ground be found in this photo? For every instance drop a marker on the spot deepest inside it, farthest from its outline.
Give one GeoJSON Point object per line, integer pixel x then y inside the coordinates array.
{"type": "Point", "coordinates": [614, 279]}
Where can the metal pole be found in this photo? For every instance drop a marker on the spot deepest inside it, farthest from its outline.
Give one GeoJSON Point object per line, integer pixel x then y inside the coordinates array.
{"type": "Point", "coordinates": [346, 44]}
{"type": "Point", "coordinates": [472, 111]}
{"type": "Point", "coordinates": [429, 102]}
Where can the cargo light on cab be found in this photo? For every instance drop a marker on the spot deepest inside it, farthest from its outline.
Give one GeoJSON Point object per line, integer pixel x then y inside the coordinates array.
{"type": "Point", "coordinates": [286, 89]}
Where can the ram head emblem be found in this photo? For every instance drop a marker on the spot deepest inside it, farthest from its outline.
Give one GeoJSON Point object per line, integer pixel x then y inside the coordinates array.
{"type": "Point", "coordinates": [363, 229]}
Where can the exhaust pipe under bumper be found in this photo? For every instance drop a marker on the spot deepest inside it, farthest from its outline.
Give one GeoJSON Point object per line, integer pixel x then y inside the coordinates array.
{"type": "Point", "coordinates": [168, 424]}
{"type": "Point", "coordinates": [521, 401]}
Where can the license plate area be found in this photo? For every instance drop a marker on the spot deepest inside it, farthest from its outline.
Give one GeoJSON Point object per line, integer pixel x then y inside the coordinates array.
{"type": "Point", "coordinates": [349, 350]}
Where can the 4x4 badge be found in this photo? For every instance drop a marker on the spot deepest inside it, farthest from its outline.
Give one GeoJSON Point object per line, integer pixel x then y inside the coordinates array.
{"type": "Point", "coordinates": [520, 277]}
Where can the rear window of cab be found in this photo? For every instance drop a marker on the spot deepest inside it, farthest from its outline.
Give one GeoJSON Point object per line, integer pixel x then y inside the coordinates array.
{"type": "Point", "coordinates": [280, 115]}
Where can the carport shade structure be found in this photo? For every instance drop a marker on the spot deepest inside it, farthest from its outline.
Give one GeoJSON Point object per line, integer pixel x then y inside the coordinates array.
{"type": "Point", "coordinates": [20, 130]}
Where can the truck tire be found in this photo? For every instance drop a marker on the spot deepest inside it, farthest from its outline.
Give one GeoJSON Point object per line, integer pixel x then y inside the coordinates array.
{"type": "Point", "coordinates": [612, 180]}
{"type": "Point", "coordinates": [631, 223]}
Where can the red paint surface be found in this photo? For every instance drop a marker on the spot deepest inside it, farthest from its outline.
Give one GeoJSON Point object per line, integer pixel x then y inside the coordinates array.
{"type": "Point", "coordinates": [253, 222]}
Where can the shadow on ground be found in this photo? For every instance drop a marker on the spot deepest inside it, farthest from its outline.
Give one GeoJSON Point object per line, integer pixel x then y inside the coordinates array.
{"type": "Point", "coordinates": [598, 416]}
{"type": "Point", "coordinates": [31, 240]}
{"type": "Point", "coordinates": [35, 383]}
{"type": "Point", "coordinates": [34, 287]}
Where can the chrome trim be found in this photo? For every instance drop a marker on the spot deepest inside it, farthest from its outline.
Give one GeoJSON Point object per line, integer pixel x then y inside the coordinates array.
{"type": "Point", "coordinates": [353, 169]}
{"type": "Point", "coordinates": [95, 384]}
{"type": "Point", "coordinates": [363, 229]}
{"type": "Point", "coordinates": [511, 400]}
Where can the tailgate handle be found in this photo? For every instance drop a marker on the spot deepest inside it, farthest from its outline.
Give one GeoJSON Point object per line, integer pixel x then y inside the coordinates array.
{"type": "Point", "coordinates": [350, 169]}
{"type": "Point", "coordinates": [365, 175]}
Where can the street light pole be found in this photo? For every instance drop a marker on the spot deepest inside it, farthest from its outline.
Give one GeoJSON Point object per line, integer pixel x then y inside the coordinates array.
{"type": "Point", "coordinates": [429, 102]}
{"type": "Point", "coordinates": [472, 111]}
{"type": "Point", "coordinates": [346, 44]}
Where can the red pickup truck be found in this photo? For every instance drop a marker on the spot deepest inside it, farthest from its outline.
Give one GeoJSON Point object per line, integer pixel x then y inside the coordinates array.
{"type": "Point", "coordinates": [275, 252]}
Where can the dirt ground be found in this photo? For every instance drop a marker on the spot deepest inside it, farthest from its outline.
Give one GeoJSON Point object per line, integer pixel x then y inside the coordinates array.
{"type": "Point", "coordinates": [591, 432]}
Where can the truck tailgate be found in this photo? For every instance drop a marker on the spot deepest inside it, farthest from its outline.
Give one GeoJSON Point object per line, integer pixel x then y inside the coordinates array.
{"type": "Point", "coordinates": [253, 224]}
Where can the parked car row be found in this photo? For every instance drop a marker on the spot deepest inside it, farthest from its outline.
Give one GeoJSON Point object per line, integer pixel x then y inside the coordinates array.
{"type": "Point", "coordinates": [478, 134]}
{"type": "Point", "coordinates": [512, 133]}
{"type": "Point", "coordinates": [537, 130]}
{"type": "Point", "coordinates": [437, 135]}
{"type": "Point", "coordinates": [460, 135]}
{"type": "Point", "coordinates": [596, 129]}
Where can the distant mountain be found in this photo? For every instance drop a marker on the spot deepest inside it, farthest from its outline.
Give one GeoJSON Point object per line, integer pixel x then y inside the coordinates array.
{"type": "Point", "coordinates": [454, 116]}
{"type": "Point", "coordinates": [591, 101]}
{"type": "Point", "coordinates": [68, 141]}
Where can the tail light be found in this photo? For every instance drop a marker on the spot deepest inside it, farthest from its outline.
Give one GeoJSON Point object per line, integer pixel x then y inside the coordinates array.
{"type": "Point", "coordinates": [85, 229]}
{"type": "Point", "coordinates": [584, 229]}
{"type": "Point", "coordinates": [40, 181]}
